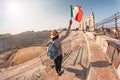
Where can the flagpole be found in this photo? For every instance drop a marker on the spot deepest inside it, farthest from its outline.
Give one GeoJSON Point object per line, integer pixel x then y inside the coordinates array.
{"type": "Point", "coordinates": [71, 12]}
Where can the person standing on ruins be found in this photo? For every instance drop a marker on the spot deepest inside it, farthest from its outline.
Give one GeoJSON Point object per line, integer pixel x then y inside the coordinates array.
{"type": "Point", "coordinates": [57, 42]}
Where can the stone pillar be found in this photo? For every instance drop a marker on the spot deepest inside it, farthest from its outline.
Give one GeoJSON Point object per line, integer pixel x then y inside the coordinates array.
{"type": "Point", "coordinates": [90, 21]}
{"type": "Point", "coordinates": [93, 22]}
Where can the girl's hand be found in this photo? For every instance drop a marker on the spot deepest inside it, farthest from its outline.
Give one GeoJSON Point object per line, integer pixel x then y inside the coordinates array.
{"type": "Point", "coordinates": [70, 23]}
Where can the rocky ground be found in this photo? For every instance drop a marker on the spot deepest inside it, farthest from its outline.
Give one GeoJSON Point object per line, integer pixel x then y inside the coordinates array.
{"type": "Point", "coordinates": [20, 56]}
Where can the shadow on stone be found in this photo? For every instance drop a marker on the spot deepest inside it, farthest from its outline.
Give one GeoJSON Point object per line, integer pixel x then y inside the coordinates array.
{"type": "Point", "coordinates": [78, 73]}
{"type": "Point", "coordinates": [82, 74]}
{"type": "Point", "coordinates": [99, 64]}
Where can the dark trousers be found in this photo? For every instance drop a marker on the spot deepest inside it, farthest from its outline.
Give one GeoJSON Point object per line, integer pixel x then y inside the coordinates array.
{"type": "Point", "coordinates": [58, 62]}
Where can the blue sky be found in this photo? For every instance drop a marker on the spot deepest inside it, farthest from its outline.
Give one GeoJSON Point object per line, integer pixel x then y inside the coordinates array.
{"type": "Point", "coordinates": [17, 16]}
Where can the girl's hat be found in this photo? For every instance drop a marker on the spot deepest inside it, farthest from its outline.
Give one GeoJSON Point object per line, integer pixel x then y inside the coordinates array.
{"type": "Point", "coordinates": [54, 33]}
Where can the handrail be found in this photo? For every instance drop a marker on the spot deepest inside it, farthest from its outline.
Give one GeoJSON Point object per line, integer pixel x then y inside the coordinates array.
{"type": "Point", "coordinates": [110, 26]}
{"type": "Point", "coordinates": [108, 20]}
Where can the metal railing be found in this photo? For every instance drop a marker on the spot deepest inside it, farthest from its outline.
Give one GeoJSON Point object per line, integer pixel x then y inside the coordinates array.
{"type": "Point", "coordinates": [110, 26]}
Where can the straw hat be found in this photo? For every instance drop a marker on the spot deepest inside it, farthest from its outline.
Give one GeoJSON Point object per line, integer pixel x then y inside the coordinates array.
{"type": "Point", "coordinates": [54, 33]}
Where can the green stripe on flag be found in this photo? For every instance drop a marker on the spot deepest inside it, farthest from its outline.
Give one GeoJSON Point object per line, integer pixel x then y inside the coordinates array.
{"type": "Point", "coordinates": [72, 8]}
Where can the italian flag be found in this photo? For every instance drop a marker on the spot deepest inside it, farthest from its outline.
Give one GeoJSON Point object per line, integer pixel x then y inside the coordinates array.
{"type": "Point", "coordinates": [76, 12]}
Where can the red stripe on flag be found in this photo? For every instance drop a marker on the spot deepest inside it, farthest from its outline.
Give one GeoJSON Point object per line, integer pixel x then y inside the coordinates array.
{"type": "Point", "coordinates": [79, 15]}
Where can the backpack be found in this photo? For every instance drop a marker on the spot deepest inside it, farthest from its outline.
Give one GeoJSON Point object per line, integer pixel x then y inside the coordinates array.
{"type": "Point", "coordinates": [52, 50]}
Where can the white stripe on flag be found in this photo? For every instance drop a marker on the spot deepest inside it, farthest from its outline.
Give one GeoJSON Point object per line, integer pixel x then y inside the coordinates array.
{"type": "Point", "coordinates": [75, 11]}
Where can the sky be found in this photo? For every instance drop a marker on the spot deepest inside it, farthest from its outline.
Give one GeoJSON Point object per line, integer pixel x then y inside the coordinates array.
{"type": "Point", "coordinates": [17, 16]}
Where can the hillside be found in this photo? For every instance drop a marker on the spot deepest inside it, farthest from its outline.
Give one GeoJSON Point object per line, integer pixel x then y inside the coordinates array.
{"type": "Point", "coordinates": [25, 39]}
